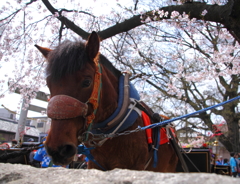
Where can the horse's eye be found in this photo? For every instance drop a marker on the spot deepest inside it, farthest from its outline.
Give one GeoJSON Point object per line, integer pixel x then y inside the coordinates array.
{"type": "Point", "coordinates": [86, 83]}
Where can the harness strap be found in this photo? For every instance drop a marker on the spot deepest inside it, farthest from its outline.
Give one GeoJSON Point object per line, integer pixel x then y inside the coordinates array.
{"type": "Point", "coordinates": [86, 151]}
{"type": "Point", "coordinates": [133, 104]}
{"type": "Point", "coordinates": [95, 96]}
{"type": "Point", "coordinates": [155, 147]}
{"type": "Point", "coordinates": [131, 107]}
{"type": "Point", "coordinates": [125, 105]}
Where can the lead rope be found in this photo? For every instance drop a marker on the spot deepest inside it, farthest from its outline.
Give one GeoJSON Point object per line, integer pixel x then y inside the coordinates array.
{"type": "Point", "coordinates": [86, 151]}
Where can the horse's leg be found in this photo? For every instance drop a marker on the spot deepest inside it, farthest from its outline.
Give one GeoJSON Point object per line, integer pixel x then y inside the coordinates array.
{"type": "Point", "coordinates": [167, 159]}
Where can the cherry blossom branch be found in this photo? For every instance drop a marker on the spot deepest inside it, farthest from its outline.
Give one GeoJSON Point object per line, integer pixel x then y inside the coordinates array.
{"type": "Point", "coordinates": [66, 21]}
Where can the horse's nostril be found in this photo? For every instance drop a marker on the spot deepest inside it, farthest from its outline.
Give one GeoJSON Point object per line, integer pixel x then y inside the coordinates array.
{"type": "Point", "coordinates": [68, 150]}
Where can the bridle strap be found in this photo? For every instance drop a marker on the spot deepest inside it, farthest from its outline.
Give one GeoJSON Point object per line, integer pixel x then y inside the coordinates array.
{"type": "Point", "coordinates": [95, 96]}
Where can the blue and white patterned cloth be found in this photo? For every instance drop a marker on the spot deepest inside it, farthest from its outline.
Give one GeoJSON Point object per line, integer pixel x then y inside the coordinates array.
{"type": "Point", "coordinates": [41, 156]}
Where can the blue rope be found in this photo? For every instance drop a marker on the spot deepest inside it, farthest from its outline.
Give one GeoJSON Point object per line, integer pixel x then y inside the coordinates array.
{"type": "Point", "coordinates": [86, 151]}
{"type": "Point", "coordinates": [188, 115]}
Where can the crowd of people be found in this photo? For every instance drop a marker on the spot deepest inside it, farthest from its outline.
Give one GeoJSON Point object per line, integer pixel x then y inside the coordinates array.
{"type": "Point", "coordinates": [234, 163]}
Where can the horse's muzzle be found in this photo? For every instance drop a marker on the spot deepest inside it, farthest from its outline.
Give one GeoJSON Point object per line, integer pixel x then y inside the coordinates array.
{"type": "Point", "coordinates": [66, 107]}
{"type": "Point", "coordinates": [63, 155]}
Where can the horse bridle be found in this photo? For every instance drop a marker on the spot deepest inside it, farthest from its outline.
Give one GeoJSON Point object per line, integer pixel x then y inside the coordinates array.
{"type": "Point", "coordinates": [66, 107]}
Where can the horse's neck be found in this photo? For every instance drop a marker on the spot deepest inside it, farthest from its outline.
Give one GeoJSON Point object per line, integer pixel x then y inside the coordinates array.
{"type": "Point", "coordinates": [109, 95]}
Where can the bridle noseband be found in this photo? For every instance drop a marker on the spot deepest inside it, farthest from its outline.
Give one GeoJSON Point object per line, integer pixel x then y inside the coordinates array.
{"type": "Point", "coordinates": [66, 107]}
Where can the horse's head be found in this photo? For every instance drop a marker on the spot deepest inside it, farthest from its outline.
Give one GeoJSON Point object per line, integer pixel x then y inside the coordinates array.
{"type": "Point", "coordinates": [74, 82]}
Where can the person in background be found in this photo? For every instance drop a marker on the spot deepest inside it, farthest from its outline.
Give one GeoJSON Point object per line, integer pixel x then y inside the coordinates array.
{"type": "Point", "coordinates": [42, 156]}
{"type": "Point", "coordinates": [30, 140]}
{"type": "Point", "coordinates": [238, 164]}
{"type": "Point", "coordinates": [233, 164]}
{"type": "Point", "coordinates": [220, 161]}
{"type": "Point", "coordinates": [33, 162]}
{"type": "Point", "coordinates": [14, 143]}
{"type": "Point", "coordinates": [225, 161]}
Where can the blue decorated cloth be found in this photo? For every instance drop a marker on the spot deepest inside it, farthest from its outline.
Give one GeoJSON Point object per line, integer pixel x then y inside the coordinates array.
{"type": "Point", "coordinates": [42, 156]}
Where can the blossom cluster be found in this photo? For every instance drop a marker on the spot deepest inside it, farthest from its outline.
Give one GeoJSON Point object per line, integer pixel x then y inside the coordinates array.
{"type": "Point", "coordinates": [195, 143]}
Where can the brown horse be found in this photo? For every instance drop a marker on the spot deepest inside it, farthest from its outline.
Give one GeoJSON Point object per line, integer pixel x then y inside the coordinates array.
{"type": "Point", "coordinates": [84, 89]}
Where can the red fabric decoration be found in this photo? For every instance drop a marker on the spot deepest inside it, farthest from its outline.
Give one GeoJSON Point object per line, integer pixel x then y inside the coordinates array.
{"type": "Point", "coordinates": [163, 134]}
{"type": "Point", "coordinates": [146, 122]}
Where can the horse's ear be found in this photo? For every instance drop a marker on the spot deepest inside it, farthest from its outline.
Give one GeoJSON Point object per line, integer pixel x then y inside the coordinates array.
{"type": "Point", "coordinates": [93, 45]}
{"type": "Point", "coordinates": [45, 51]}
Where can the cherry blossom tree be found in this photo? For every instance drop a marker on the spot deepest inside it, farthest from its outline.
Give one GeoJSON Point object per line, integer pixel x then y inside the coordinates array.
{"type": "Point", "coordinates": [184, 55]}
{"type": "Point", "coordinates": [188, 69]}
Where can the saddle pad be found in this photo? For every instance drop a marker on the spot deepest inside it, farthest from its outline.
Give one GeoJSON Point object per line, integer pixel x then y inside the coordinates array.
{"type": "Point", "coordinates": [163, 135]}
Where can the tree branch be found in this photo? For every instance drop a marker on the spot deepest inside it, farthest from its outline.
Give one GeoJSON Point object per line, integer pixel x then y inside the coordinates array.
{"type": "Point", "coordinates": [225, 15]}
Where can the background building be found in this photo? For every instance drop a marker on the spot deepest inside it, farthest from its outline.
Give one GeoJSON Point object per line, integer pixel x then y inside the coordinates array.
{"type": "Point", "coordinates": [4, 113]}
{"type": "Point", "coordinates": [9, 125]}
{"type": "Point", "coordinates": [41, 123]}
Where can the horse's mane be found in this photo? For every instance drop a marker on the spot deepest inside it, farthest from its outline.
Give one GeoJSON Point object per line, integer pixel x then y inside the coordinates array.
{"type": "Point", "coordinates": [69, 57]}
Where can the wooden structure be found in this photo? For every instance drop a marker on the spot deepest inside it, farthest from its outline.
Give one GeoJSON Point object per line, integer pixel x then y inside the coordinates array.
{"type": "Point", "coordinates": [200, 160]}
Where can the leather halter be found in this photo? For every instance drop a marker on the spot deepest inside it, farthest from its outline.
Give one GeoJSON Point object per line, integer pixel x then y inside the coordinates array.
{"type": "Point", "coordinates": [66, 107]}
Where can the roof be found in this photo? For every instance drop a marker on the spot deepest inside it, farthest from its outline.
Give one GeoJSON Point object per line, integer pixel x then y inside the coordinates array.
{"type": "Point", "coordinates": [12, 127]}
{"type": "Point", "coordinates": [8, 120]}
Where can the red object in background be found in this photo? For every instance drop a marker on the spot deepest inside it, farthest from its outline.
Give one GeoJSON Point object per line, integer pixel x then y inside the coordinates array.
{"type": "Point", "coordinates": [205, 145]}
{"type": "Point", "coordinates": [216, 131]}
{"type": "Point", "coordinates": [4, 146]}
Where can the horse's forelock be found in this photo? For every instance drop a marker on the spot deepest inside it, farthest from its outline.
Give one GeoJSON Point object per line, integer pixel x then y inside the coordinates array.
{"type": "Point", "coordinates": [69, 57]}
{"type": "Point", "coordinates": [66, 58]}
